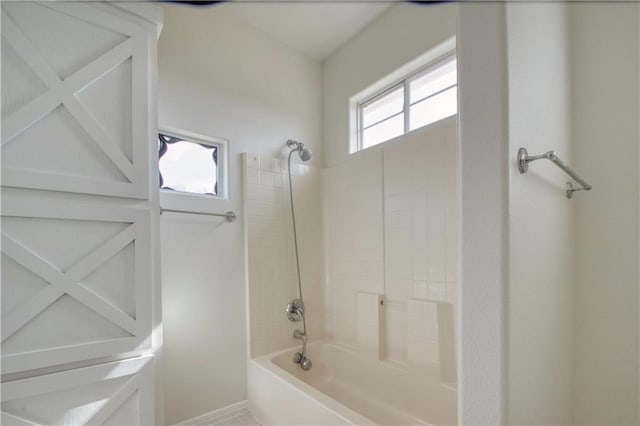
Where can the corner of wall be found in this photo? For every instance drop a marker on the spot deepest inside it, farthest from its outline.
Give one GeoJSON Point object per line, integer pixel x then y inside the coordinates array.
{"type": "Point", "coordinates": [483, 134]}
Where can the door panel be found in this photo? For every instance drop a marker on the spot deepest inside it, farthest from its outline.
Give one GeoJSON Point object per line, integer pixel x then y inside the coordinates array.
{"type": "Point", "coordinates": [119, 393]}
{"type": "Point", "coordinates": [75, 80]}
{"type": "Point", "coordinates": [77, 150]}
{"type": "Point", "coordinates": [76, 282]}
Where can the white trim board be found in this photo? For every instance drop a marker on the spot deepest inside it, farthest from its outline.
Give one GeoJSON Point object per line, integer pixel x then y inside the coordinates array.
{"type": "Point", "coordinates": [218, 416]}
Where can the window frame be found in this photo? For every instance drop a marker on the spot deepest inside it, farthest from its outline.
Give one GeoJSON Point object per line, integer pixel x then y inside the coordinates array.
{"type": "Point", "coordinates": [188, 201]}
{"type": "Point", "coordinates": [368, 101]}
{"type": "Point", "coordinates": [405, 83]}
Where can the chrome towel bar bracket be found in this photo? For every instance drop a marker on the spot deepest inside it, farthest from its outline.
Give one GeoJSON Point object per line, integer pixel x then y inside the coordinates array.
{"type": "Point", "coordinates": [523, 165]}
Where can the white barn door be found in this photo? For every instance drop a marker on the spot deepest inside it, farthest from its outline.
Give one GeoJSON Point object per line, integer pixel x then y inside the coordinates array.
{"type": "Point", "coordinates": [78, 179]}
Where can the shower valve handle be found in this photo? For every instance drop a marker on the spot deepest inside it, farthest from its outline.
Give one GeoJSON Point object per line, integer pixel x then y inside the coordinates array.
{"type": "Point", "coordinates": [295, 310]}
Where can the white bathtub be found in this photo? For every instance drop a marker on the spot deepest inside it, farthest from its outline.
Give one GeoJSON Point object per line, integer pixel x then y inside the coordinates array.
{"type": "Point", "coordinates": [343, 389]}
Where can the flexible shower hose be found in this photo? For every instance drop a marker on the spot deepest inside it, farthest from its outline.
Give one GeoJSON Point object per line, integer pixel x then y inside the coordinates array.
{"type": "Point", "coordinates": [295, 244]}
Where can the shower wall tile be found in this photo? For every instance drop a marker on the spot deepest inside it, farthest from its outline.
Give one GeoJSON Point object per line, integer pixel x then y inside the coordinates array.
{"type": "Point", "coordinates": [384, 222]}
{"type": "Point", "coordinates": [446, 342]}
{"type": "Point", "coordinates": [253, 175]}
{"type": "Point", "coordinates": [422, 332]}
{"type": "Point", "coordinates": [369, 321]}
{"type": "Point", "coordinates": [395, 331]}
{"type": "Point", "coordinates": [271, 258]}
{"type": "Point", "coordinates": [451, 204]}
{"type": "Point", "coordinates": [431, 336]}
{"type": "Point", "coordinates": [355, 248]}
{"type": "Point", "coordinates": [420, 230]}
{"type": "Point", "coordinates": [392, 229]}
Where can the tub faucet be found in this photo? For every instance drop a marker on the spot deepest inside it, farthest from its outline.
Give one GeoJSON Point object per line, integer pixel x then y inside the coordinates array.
{"type": "Point", "coordinates": [301, 357]}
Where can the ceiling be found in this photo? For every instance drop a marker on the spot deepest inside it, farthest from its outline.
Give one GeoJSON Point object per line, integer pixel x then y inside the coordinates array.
{"type": "Point", "coordinates": [314, 28]}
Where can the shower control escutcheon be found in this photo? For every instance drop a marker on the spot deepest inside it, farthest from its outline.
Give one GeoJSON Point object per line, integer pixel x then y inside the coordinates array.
{"type": "Point", "coordinates": [295, 310]}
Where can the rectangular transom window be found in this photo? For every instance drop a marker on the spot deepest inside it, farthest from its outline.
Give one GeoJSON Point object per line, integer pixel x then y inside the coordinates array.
{"type": "Point", "coordinates": [189, 164]}
{"type": "Point", "coordinates": [422, 98]}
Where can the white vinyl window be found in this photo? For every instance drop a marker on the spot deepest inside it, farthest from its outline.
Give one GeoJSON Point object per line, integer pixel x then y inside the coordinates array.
{"type": "Point", "coordinates": [192, 171]}
{"type": "Point", "coordinates": [188, 165]}
{"type": "Point", "coordinates": [422, 98]}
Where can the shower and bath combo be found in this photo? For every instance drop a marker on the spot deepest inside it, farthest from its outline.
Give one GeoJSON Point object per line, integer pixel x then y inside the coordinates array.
{"type": "Point", "coordinates": [295, 309]}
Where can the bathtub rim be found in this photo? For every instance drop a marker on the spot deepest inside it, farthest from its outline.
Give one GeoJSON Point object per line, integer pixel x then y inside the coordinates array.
{"type": "Point", "coordinates": [334, 406]}
{"type": "Point", "coordinates": [400, 367]}
{"type": "Point", "coordinates": [338, 409]}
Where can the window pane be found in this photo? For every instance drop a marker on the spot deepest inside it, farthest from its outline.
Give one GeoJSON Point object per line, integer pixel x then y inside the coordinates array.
{"type": "Point", "coordinates": [433, 109]}
{"type": "Point", "coordinates": [433, 81]}
{"type": "Point", "coordinates": [189, 167]}
{"type": "Point", "coordinates": [383, 131]}
{"type": "Point", "coordinates": [386, 106]}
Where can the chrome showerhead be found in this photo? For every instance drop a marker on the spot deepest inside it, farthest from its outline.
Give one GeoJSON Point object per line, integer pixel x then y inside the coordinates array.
{"type": "Point", "coordinates": [304, 153]}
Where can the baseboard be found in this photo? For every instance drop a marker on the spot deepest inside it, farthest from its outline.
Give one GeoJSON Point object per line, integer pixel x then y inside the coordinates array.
{"type": "Point", "coordinates": [218, 416]}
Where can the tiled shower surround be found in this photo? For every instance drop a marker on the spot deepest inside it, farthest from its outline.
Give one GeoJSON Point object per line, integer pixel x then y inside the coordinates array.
{"type": "Point", "coordinates": [271, 257]}
{"type": "Point", "coordinates": [386, 221]}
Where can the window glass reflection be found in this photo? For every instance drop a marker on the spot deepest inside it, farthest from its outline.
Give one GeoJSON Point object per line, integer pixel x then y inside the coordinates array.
{"type": "Point", "coordinates": [187, 166]}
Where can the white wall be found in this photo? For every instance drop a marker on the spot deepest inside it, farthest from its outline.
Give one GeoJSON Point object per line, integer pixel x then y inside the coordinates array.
{"type": "Point", "coordinates": [540, 300]}
{"type": "Point", "coordinates": [573, 292]}
{"type": "Point", "coordinates": [483, 139]}
{"type": "Point", "coordinates": [605, 73]}
{"type": "Point", "coordinates": [400, 35]}
{"type": "Point", "coordinates": [222, 78]}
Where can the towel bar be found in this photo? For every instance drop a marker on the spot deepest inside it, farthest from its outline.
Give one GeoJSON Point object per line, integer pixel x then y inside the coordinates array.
{"type": "Point", "coordinates": [523, 165]}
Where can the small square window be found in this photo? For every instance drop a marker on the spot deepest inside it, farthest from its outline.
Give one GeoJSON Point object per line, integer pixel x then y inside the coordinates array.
{"type": "Point", "coordinates": [192, 171]}
{"type": "Point", "coordinates": [188, 165]}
